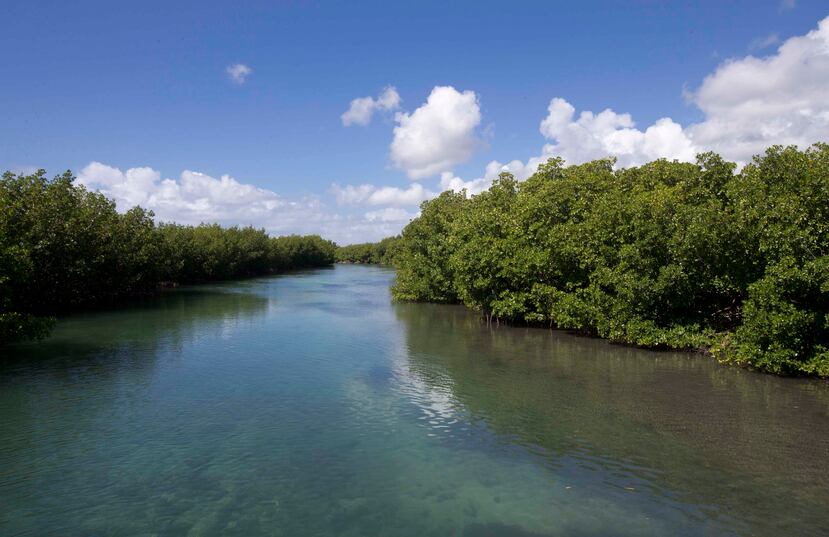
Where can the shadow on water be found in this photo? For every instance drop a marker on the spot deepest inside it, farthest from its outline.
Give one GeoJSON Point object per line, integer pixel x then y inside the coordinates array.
{"type": "Point", "coordinates": [137, 331]}
{"type": "Point", "coordinates": [722, 442]}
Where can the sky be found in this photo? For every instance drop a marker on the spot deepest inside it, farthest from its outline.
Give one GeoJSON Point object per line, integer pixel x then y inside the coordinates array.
{"type": "Point", "coordinates": [339, 118]}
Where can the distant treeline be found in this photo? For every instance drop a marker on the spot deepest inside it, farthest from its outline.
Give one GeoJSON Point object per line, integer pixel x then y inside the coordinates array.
{"type": "Point", "coordinates": [63, 248]}
{"type": "Point", "coordinates": [668, 254]}
{"type": "Point", "coordinates": [374, 253]}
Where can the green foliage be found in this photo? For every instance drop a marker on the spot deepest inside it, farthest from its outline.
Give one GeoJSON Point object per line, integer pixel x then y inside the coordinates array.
{"type": "Point", "coordinates": [211, 252]}
{"type": "Point", "coordinates": [422, 261]}
{"type": "Point", "coordinates": [668, 254]}
{"type": "Point", "coordinates": [63, 248]}
{"type": "Point", "coordinates": [299, 252]}
{"type": "Point", "coordinates": [484, 257]}
{"type": "Point", "coordinates": [373, 253]}
{"type": "Point", "coordinates": [785, 320]}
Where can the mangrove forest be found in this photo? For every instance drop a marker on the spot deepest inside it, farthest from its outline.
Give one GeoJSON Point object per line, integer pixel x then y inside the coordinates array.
{"type": "Point", "coordinates": [64, 248]}
{"type": "Point", "coordinates": [676, 255]}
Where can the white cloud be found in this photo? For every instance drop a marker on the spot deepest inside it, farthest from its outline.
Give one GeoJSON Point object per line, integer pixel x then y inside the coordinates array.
{"type": "Point", "coordinates": [748, 104]}
{"type": "Point", "coordinates": [449, 181]}
{"type": "Point", "coordinates": [194, 198]}
{"type": "Point", "coordinates": [592, 136]}
{"type": "Point", "coordinates": [373, 195]}
{"type": "Point", "coordinates": [437, 135]}
{"type": "Point", "coordinates": [22, 170]}
{"type": "Point", "coordinates": [390, 214]}
{"type": "Point", "coordinates": [352, 195]}
{"type": "Point", "coordinates": [751, 103]}
{"type": "Point", "coordinates": [396, 196]}
{"type": "Point", "coordinates": [363, 108]}
{"type": "Point", "coordinates": [238, 73]}
{"type": "Point", "coordinates": [764, 42]}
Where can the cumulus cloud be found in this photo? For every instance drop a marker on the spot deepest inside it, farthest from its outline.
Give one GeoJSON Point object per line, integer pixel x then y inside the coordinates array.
{"type": "Point", "coordinates": [449, 181]}
{"type": "Point", "coordinates": [367, 194]}
{"type": "Point", "coordinates": [238, 73]}
{"type": "Point", "coordinates": [362, 109]}
{"type": "Point", "coordinates": [195, 197]}
{"type": "Point", "coordinates": [351, 194]}
{"type": "Point", "coordinates": [751, 103]}
{"type": "Point", "coordinates": [748, 103]}
{"type": "Point", "coordinates": [390, 214]}
{"type": "Point", "coordinates": [438, 134]}
{"type": "Point", "coordinates": [593, 136]}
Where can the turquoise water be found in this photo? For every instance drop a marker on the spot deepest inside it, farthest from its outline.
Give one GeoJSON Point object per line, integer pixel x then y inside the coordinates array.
{"type": "Point", "coordinates": [309, 404]}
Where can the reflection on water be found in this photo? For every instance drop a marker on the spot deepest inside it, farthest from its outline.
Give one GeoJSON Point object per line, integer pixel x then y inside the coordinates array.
{"type": "Point", "coordinates": [308, 404]}
{"type": "Point", "coordinates": [168, 320]}
{"type": "Point", "coordinates": [750, 449]}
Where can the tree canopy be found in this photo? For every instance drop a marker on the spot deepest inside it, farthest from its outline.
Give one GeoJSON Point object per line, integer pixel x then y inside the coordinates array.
{"type": "Point", "coordinates": [668, 254]}
{"type": "Point", "coordinates": [373, 253]}
{"type": "Point", "coordinates": [63, 248]}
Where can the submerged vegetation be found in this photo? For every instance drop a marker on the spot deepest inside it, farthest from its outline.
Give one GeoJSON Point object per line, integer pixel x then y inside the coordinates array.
{"type": "Point", "coordinates": [668, 254]}
{"type": "Point", "coordinates": [63, 248]}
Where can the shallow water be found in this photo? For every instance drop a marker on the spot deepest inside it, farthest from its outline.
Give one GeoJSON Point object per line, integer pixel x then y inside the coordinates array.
{"type": "Point", "coordinates": [309, 404]}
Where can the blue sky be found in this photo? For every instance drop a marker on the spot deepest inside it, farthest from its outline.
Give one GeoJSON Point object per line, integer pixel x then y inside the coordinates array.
{"type": "Point", "coordinates": [145, 84]}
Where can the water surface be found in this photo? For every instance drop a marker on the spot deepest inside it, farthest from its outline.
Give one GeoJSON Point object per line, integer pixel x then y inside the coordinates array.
{"type": "Point", "coordinates": [309, 404]}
